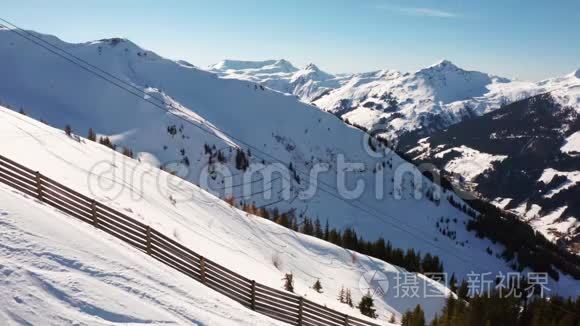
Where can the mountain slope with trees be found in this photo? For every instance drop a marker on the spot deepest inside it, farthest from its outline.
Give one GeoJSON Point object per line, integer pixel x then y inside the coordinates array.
{"type": "Point", "coordinates": [260, 248]}
{"type": "Point", "coordinates": [520, 157]}
{"type": "Point", "coordinates": [182, 119]}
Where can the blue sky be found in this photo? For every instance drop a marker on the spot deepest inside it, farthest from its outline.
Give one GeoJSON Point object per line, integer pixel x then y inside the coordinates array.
{"type": "Point", "coordinates": [531, 39]}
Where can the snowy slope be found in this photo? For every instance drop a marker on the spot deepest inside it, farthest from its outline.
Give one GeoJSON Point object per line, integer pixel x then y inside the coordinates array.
{"type": "Point", "coordinates": [430, 99]}
{"type": "Point", "coordinates": [572, 145]}
{"type": "Point", "coordinates": [51, 89]}
{"type": "Point", "coordinates": [308, 83]}
{"type": "Point", "coordinates": [55, 270]}
{"type": "Point", "coordinates": [247, 244]}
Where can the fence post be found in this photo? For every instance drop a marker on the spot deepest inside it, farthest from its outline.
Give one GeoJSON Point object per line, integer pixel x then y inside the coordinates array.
{"type": "Point", "coordinates": [94, 213]}
{"type": "Point", "coordinates": [300, 303]}
{"type": "Point", "coordinates": [38, 185]}
{"type": "Point", "coordinates": [253, 296]}
{"type": "Point", "coordinates": [148, 239]}
{"type": "Point", "coordinates": [202, 268]}
{"type": "Point", "coordinates": [345, 320]}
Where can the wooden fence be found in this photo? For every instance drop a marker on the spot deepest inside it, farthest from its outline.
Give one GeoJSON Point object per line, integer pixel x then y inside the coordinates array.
{"type": "Point", "coordinates": [280, 305]}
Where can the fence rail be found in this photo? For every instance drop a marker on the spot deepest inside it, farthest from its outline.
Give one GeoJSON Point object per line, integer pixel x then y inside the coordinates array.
{"type": "Point", "coordinates": [277, 304]}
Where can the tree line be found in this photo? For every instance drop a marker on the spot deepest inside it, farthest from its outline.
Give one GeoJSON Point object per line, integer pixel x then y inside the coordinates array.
{"type": "Point", "coordinates": [524, 247]}
{"type": "Point", "coordinates": [494, 309]}
{"type": "Point", "coordinates": [411, 260]}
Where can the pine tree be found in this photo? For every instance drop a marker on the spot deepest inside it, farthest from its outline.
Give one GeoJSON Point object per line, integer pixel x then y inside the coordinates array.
{"type": "Point", "coordinates": [317, 286]}
{"type": "Point", "coordinates": [335, 237]}
{"type": "Point", "coordinates": [307, 227]}
{"type": "Point", "coordinates": [107, 142]}
{"type": "Point", "coordinates": [414, 318]}
{"type": "Point", "coordinates": [128, 152]}
{"type": "Point", "coordinates": [419, 316]}
{"type": "Point", "coordinates": [283, 220]}
{"type": "Point", "coordinates": [341, 295]}
{"type": "Point", "coordinates": [288, 282]}
{"type": "Point", "coordinates": [294, 224]}
{"type": "Point", "coordinates": [242, 162]}
{"type": "Point", "coordinates": [92, 136]}
{"type": "Point", "coordinates": [185, 160]}
{"type": "Point", "coordinates": [463, 290]}
{"type": "Point", "coordinates": [366, 305]}
{"type": "Point", "coordinates": [220, 157]}
{"type": "Point", "coordinates": [453, 283]}
{"type": "Point", "coordinates": [318, 232]}
{"type": "Point", "coordinates": [68, 130]}
{"type": "Point", "coordinates": [348, 298]}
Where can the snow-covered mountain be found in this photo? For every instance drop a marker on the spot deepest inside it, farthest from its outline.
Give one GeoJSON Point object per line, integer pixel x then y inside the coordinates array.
{"type": "Point", "coordinates": [430, 99]}
{"type": "Point", "coordinates": [51, 264]}
{"type": "Point", "coordinates": [308, 83]}
{"type": "Point", "coordinates": [393, 102]}
{"type": "Point", "coordinates": [227, 114]}
{"type": "Point", "coordinates": [523, 157]}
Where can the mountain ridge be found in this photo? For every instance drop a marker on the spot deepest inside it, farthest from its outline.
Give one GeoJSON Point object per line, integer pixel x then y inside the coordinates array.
{"type": "Point", "coordinates": [430, 98]}
{"type": "Point", "coordinates": [296, 134]}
